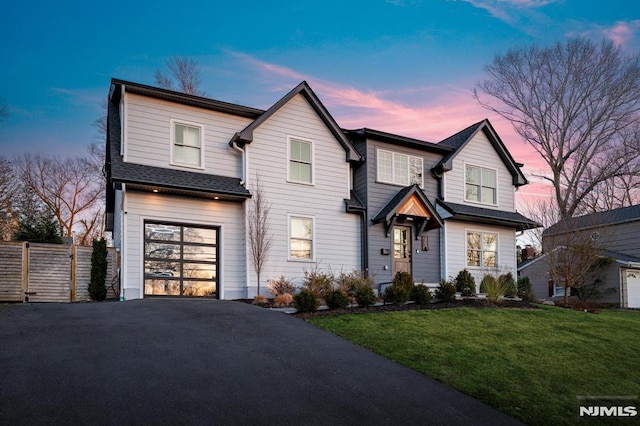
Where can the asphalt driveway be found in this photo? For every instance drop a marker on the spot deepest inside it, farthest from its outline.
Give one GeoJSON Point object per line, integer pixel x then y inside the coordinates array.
{"type": "Point", "coordinates": [173, 361]}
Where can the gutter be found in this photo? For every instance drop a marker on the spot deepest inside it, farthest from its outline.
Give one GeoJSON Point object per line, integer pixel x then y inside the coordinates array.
{"type": "Point", "coordinates": [235, 146]}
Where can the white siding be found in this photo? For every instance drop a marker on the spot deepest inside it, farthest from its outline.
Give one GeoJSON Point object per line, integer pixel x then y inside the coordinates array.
{"type": "Point", "coordinates": [455, 234]}
{"type": "Point", "coordinates": [147, 206]}
{"type": "Point", "coordinates": [148, 134]}
{"type": "Point", "coordinates": [337, 233]}
{"type": "Point", "coordinates": [479, 152]}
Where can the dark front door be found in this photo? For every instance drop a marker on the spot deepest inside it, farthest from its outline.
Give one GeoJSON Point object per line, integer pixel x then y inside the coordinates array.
{"type": "Point", "coordinates": [401, 249]}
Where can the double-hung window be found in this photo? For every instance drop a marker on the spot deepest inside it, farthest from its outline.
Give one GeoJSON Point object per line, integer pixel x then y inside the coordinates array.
{"type": "Point", "coordinates": [482, 249]}
{"type": "Point", "coordinates": [399, 169]}
{"type": "Point", "coordinates": [300, 161]}
{"type": "Point", "coordinates": [301, 238]}
{"type": "Point", "coordinates": [480, 185]}
{"type": "Point", "coordinates": [186, 144]}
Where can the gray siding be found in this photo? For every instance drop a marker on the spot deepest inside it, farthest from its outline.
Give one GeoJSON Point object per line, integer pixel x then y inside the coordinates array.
{"type": "Point", "coordinates": [426, 265]}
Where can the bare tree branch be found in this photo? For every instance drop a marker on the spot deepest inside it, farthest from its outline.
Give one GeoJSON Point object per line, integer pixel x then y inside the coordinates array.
{"type": "Point", "coordinates": [260, 236]}
{"type": "Point", "coordinates": [184, 76]}
{"type": "Point", "coordinates": [577, 104]}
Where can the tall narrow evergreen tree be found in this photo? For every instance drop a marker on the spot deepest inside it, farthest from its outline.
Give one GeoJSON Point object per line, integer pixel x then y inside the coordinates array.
{"type": "Point", "coordinates": [97, 287]}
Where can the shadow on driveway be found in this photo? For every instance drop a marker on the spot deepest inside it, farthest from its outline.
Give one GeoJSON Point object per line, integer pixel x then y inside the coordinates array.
{"type": "Point", "coordinates": [175, 361]}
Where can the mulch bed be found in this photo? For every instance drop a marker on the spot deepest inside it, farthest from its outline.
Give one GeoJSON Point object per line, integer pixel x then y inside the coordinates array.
{"type": "Point", "coordinates": [467, 303]}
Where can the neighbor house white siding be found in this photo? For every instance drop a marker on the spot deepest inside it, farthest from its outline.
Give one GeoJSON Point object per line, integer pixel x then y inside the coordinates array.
{"type": "Point", "coordinates": [156, 207]}
{"type": "Point", "coordinates": [337, 234]}
{"type": "Point", "coordinates": [479, 152]}
{"type": "Point", "coordinates": [148, 134]}
{"type": "Point", "coordinates": [456, 248]}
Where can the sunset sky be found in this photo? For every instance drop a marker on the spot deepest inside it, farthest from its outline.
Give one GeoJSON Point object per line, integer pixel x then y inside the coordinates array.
{"type": "Point", "coordinates": [401, 66]}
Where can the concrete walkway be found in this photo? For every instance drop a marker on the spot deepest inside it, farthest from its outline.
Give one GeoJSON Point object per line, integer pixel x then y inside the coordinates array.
{"type": "Point", "coordinates": [173, 361]}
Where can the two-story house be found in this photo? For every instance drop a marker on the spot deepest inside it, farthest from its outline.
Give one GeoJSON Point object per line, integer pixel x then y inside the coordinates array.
{"type": "Point", "coordinates": [611, 235]}
{"type": "Point", "coordinates": [181, 170]}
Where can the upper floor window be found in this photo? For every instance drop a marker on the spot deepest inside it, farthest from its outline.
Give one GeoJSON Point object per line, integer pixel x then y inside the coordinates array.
{"type": "Point", "coordinates": [482, 249]}
{"type": "Point", "coordinates": [301, 238]}
{"type": "Point", "coordinates": [400, 169]}
{"type": "Point", "coordinates": [480, 185]}
{"type": "Point", "coordinates": [300, 161]}
{"type": "Point", "coordinates": [186, 144]}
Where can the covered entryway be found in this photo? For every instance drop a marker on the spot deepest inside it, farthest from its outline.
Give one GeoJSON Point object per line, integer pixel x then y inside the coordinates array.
{"type": "Point", "coordinates": [401, 249]}
{"type": "Point", "coordinates": [632, 287]}
{"type": "Point", "coordinates": [180, 260]}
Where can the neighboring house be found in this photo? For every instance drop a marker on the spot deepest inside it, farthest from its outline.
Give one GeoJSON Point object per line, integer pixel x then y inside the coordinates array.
{"type": "Point", "coordinates": [181, 170]}
{"type": "Point", "coordinates": [613, 234]}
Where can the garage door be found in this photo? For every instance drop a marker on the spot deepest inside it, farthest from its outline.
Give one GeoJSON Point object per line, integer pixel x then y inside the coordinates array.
{"type": "Point", "coordinates": [180, 260]}
{"type": "Point", "coordinates": [633, 288]}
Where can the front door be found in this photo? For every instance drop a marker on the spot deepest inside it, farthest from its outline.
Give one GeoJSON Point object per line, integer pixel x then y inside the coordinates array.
{"type": "Point", "coordinates": [401, 249]}
{"type": "Point", "coordinates": [633, 288]}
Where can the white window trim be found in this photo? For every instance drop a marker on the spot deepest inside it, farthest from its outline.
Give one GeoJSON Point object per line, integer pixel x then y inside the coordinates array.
{"type": "Point", "coordinates": [466, 248]}
{"type": "Point", "coordinates": [393, 154]}
{"type": "Point", "coordinates": [464, 182]}
{"type": "Point", "coordinates": [558, 290]}
{"type": "Point", "coordinates": [313, 160]}
{"type": "Point", "coordinates": [313, 238]}
{"type": "Point", "coordinates": [172, 143]}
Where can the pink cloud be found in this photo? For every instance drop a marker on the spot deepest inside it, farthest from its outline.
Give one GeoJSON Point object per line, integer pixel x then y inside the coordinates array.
{"type": "Point", "coordinates": [442, 112]}
{"type": "Point", "coordinates": [622, 32]}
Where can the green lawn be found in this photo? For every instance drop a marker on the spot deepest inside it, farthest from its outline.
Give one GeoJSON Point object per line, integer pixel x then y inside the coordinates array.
{"type": "Point", "coordinates": [531, 364]}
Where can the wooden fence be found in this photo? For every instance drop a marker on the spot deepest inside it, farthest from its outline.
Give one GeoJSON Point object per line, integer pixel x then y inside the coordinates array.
{"type": "Point", "coordinates": [38, 272]}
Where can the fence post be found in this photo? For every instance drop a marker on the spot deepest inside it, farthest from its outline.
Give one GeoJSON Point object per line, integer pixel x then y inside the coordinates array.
{"type": "Point", "coordinates": [74, 260]}
{"type": "Point", "coordinates": [25, 271]}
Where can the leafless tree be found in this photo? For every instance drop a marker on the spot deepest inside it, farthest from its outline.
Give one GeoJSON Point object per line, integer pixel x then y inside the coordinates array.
{"type": "Point", "coordinates": [184, 76]}
{"type": "Point", "coordinates": [572, 255]}
{"type": "Point", "coordinates": [577, 104]}
{"type": "Point", "coordinates": [7, 192]}
{"type": "Point", "coordinates": [545, 213]}
{"type": "Point", "coordinates": [260, 236]}
{"type": "Point", "coordinates": [71, 187]}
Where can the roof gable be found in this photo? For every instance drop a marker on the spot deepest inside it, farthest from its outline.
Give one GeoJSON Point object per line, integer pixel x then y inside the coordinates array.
{"type": "Point", "coordinates": [410, 201]}
{"type": "Point", "coordinates": [246, 135]}
{"type": "Point", "coordinates": [463, 137]}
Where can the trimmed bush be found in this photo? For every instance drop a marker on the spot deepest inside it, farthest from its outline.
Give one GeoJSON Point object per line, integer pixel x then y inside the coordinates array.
{"type": "Point", "coordinates": [364, 295]}
{"type": "Point", "coordinates": [306, 301]}
{"type": "Point", "coordinates": [420, 294]}
{"type": "Point", "coordinates": [508, 283]}
{"type": "Point", "coordinates": [97, 287]}
{"type": "Point", "coordinates": [525, 291]}
{"type": "Point", "coordinates": [337, 299]}
{"type": "Point", "coordinates": [400, 290]}
{"type": "Point", "coordinates": [446, 291]}
{"type": "Point", "coordinates": [465, 283]}
{"type": "Point", "coordinates": [281, 286]}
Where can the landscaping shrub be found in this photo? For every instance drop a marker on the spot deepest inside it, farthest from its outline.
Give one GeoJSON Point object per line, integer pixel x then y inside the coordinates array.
{"type": "Point", "coordinates": [420, 294]}
{"type": "Point", "coordinates": [283, 300]}
{"type": "Point", "coordinates": [494, 288]}
{"type": "Point", "coordinates": [97, 288]}
{"type": "Point", "coordinates": [509, 284]}
{"type": "Point", "coordinates": [446, 291]}
{"type": "Point", "coordinates": [465, 283]}
{"type": "Point", "coordinates": [400, 290]}
{"type": "Point", "coordinates": [336, 299]}
{"type": "Point", "coordinates": [486, 280]}
{"type": "Point", "coordinates": [260, 300]}
{"type": "Point", "coordinates": [281, 286]}
{"type": "Point", "coordinates": [525, 291]}
{"type": "Point", "coordinates": [364, 295]}
{"type": "Point", "coordinates": [318, 282]}
{"type": "Point", "coordinates": [306, 301]}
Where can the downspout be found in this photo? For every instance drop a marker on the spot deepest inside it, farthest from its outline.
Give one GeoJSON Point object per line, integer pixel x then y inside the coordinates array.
{"type": "Point", "coordinates": [243, 182]}
{"type": "Point", "coordinates": [364, 243]}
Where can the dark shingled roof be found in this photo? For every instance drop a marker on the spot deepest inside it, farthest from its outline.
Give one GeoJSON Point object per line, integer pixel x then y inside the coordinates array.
{"type": "Point", "coordinates": [460, 139]}
{"type": "Point", "coordinates": [366, 133]}
{"type": "Point", "coordinates": [390, 208]}
{"type": "Point", "coordinates": [488, 216]}
{"type": "Point", "coordinates": [595, 220]}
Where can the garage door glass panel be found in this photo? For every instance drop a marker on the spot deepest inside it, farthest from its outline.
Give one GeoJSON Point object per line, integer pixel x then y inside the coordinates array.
{"type": "Point", "coordinates": [180, 260]}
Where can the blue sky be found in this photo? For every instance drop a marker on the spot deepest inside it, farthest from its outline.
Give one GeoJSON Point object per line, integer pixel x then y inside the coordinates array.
{"type": "Point", "coordinates": [403, 66]}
